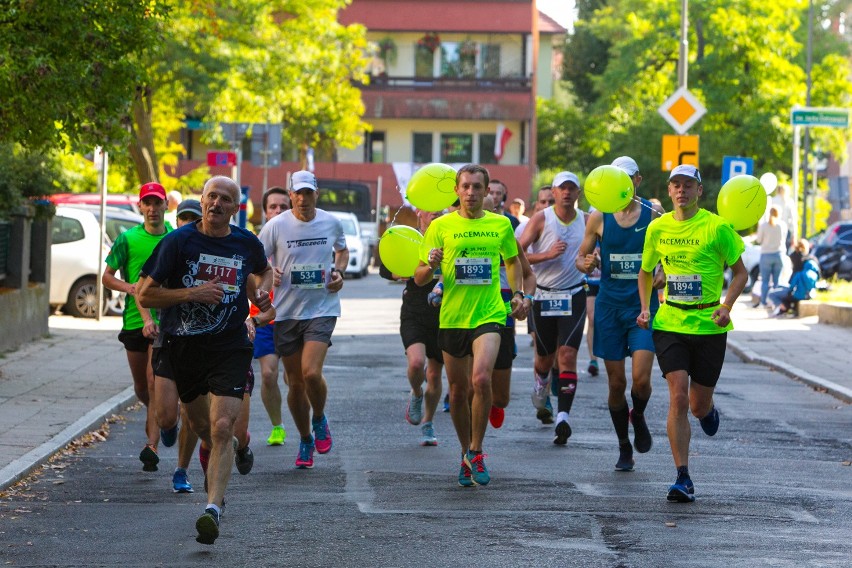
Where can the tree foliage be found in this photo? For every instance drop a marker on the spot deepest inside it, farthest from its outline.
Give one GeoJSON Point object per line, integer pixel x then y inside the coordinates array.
{"type": "Point", "coordinates": [745, 65]}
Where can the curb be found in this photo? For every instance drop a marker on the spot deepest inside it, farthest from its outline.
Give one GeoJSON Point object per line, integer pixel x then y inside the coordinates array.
{"type": "Point", "coordinates": [749, 356]}
{"type": "Point", "coordinates": [33, 459]}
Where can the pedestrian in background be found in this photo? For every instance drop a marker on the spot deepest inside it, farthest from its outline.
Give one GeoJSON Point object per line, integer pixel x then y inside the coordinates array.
{"type": "Point", "coordinates": [772, 238]}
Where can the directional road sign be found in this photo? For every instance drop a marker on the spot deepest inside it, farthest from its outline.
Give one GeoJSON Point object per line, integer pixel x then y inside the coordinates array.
{"type": "Point", "coordinates": [820, 116]}
{"type": "Point", "coordinates": [679, 150]}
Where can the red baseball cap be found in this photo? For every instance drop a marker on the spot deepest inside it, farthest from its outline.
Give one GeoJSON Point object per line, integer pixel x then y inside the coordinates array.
{"type": "Point", "coordinates": [152, 188]}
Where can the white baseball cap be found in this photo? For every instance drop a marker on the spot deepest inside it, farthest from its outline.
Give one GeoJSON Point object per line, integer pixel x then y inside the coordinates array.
{"type": "Point", "coordinates": [303, 179]}
{"type": "Point", "coordinates": [686, 170]}
{"type": "Point", "coordinates": [562, 177]}
{"type": "Point", "coordinates": [627, 164]}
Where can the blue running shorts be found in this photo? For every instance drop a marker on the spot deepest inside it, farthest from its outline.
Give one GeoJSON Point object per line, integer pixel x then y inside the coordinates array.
{"type": "Point", "coordinates": [616, 334]}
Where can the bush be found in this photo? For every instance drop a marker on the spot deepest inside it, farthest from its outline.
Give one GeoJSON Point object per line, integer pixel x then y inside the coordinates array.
{"type": "Point", "coordinates": [25, 175]}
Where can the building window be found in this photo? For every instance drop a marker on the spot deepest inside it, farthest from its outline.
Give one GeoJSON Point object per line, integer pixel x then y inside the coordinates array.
{"type": "Point", "coordinates": [458, 59]}
{"type": "Point", "coordinates": [456, 148]}
{"type": "Point", "coordinates": [422, 148]}
{"type": "Point", "coordinates": [486, 148]}
{"type": "Point", "coordinates": [424, 62]}
{"type": "Point", "coordinates": [374, 147]}
{"type": "Point", "coordinates": [489, 60]}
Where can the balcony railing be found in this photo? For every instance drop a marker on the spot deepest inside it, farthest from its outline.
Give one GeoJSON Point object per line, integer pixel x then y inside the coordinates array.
{"type": "Point", "coordinates": [506, 84]}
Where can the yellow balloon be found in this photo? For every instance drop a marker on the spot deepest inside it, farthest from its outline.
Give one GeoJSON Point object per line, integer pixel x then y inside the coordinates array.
{"type": "Point", "coordinates": [399, 249]}
{"type": "Point", "coordinates": [432, 187]}
{"type": "Point", "coordinates": [608, 189]}
{"type": "Point", "coordinates": [742, 201]}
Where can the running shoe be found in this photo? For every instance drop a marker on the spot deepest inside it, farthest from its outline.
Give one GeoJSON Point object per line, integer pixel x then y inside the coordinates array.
{"type": "Point", "coordinates": [496, 416]}
{"type": "Point", "coordinates": [322, 435]}
{"type": "Point", "coordinates": [641, 435]}
{"type": "Point", "coordinates": [427, 435]}
{"type": "Point", "coordinates": [465, 476]}
{"type": "Point", "coordinates": [207, 526]}
{"type": "Point", "coordinates": [540, 393]}
{"type": "Point", "coordinates": [244, 460]}
{"type": "Point", "coordinates": [545, 414]}
{"type": "Point", "coordinates": [180, 482]}
{"type": "Point", "coordinates": [478, 472]}
{"type": "Point", "coordinates": [593, 367]}
{"type": "Point", "coordinates": [277, 436]}
{"type": "Point", "coordinates": [169, 437]}
{"type": "Point", "coordinates": [305, 459]}
{"type": "Point", "coordinates": [447, 402]}
{"type": "Point", "coordinates": [562, 433]}
{"type": "Point", "coordinates": [149, 458]}
{"type": "Point", "coordinates": [625, 458]}
{"type": "Point", "coordinates": [683, 491]}
{"type": "Point", "coordinates": [414, 412]}
{"type": "Point", "coordinates": [710, 423]}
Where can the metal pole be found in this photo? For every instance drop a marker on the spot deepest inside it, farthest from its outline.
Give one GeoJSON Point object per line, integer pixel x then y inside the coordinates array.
{"type": "Point", "coordinates": [684, 45]}
{"type": "Point", "coordinates": [797, 157]}
{"type": "Point", "coordinates": [102, 182]}
{"type": "Point", "coordinates": [805, 165]}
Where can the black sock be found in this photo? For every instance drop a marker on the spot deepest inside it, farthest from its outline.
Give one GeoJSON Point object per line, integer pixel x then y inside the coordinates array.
{"type": "Point", "coordinates": [639, 404]}
{"type": "Point", "coordinates": [683, 471]}
{"type": "Point", "coordinates": [621, 419]}
{"type": "Point", "coordinates": [567, 390]}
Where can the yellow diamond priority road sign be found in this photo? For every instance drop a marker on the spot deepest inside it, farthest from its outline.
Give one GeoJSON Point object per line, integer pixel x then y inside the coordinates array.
{"type": "Point", "coordinates": [682, 110]}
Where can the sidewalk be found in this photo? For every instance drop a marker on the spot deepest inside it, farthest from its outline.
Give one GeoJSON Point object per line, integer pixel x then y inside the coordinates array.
{"type": "Point", "coordinates": [58, 388]}
{"type": "Point", "coordinates": [801, 348]}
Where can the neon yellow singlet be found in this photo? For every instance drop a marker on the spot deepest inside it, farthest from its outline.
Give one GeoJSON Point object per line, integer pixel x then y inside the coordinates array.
{"type": "Point", "coordinates": [694, 254]}
{"type": "Point", "coordinates": [471, 267]}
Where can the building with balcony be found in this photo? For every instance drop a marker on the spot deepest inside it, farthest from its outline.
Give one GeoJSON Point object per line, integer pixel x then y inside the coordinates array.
{"type": "Point", "coordinates": [451, 81]}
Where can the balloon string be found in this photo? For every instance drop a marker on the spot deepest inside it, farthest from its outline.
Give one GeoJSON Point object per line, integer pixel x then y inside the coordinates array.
{"type": "Point", "coordinates": [647, 206]}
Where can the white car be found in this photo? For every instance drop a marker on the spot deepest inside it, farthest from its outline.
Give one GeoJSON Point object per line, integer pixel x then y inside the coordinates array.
{"type": "Point", "coordinates": [356, 242]}
{"type": "Point", "coordinates": [751, 260]}
{"type": "Point", "coordinates": [74, 258]}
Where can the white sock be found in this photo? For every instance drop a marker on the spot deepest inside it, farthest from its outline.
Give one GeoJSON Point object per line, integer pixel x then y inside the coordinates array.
{"type": "Point", "coordinates": [214, 507]}
{"type": "Point", "coordinates": [562, 417]}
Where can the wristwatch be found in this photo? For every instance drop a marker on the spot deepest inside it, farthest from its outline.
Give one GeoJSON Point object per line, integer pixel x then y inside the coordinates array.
{"type": "Point", "coordinates": [519, 293]}
{"type": "Point", "coordinates": [333, 270]}
{"type": "Point", "coordinates": [255, 321]}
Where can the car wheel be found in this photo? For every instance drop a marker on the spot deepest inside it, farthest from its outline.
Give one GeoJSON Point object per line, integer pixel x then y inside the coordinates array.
{"type": "Point", "coordinates": [82, 299]}
{"type": "Point", "coordinates": [115, 304]}
{"type": "Point", "coordinates": [365, 270]}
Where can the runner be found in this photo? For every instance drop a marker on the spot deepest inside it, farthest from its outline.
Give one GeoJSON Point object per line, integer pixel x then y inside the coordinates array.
{"type": "Point", "coordinates": [552, 239]}
{"type": "Point", "coordinates": [690, 328]}
{"type": "Point", "coordinates": [467, 246]}
{"type": "Point", "coordinates": [621, 236]}
{"type": "Point", "coordinates": [198, 277]}
{"type": "Point", "coordinates": [301, 243]}
{"type": "Point", "coordinates": [139, 326]}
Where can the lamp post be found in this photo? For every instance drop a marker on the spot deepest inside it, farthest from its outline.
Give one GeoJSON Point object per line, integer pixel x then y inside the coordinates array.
{"type": "Point", "coordinates": [807, 145]}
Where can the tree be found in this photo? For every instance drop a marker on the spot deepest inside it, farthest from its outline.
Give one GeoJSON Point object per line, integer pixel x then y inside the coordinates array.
{"type": "Point", "coordinates": [67, 72]}
{"type": "Point", "coordinates": [744, 65]}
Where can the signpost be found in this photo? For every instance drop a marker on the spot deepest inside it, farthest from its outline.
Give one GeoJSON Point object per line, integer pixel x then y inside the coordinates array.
{"type": "Point", "coordinates": [681, 110]}
{"type": "Point", "coordinates": [679, 150]}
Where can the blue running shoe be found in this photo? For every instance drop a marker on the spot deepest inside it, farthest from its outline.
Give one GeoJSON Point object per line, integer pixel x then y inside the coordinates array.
{"type": "Point", "coordinates": [428, 435]}
{"type": "Point", "coordinates": [478, 472]}
{"type": "Point", "coordinates": [446, 403]}
{"type": "Point", "coordinates": [683, 491]}
{"type": "Point", "coordinates": [465, 475]}
{"type": "Point", "coordinates": [169, 437]}
{"type": "Point", "coordinates": [305, 459]}
{"type": "Point", "coordinates": [180, 482]}
{"type": "Point", "coordinates": [710, 423]}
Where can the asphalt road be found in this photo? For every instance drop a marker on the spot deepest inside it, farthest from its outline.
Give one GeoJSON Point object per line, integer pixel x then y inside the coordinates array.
{"type": "Point", "coordinates": [773, 486]}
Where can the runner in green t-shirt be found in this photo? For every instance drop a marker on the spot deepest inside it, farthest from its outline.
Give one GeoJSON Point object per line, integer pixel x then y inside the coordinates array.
{"type": "Point", "coordinates": [467, 246]}
{"type": "Point", "coordinates": [690, 329]}
{"type": "Point", "coordinates": [129, 252]}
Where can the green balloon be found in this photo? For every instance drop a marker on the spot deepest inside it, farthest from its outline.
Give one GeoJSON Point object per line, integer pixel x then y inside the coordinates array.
{"type": "Point", "coordinates": [608, 189]}
{"type": "Point", "coordinates": [399, 249]}
{"type": "Point", "coordinates": [432, 187]}
{"type": "Point", "coordinates": [742, 201]}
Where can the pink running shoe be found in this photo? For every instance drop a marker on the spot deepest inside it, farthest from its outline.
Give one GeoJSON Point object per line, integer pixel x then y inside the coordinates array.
{"type": "Point", "coordinates": [322, 435]}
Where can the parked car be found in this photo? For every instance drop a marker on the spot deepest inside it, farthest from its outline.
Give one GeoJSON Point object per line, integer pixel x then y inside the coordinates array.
{"type": "Point", "coordinates": [126, 202]}
{"type": "Point", "coordinates": [356, 242]}
{"type": "Point", "coordinates": [74, 258]}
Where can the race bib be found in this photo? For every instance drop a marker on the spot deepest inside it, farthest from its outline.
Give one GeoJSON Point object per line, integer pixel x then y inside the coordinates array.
{"type": "Point", "coordinates": [473, 271]}
{"type": "Point", "coordinates": [307, 276]}
{"type": "Point", "coordinates": [683, 287]}
{"type": "Point", "coordinates": [555, 303]}
{"type": "Point", "coordinates": [227, 269]}
{"type": "Point", "coordinates": [625, 266]}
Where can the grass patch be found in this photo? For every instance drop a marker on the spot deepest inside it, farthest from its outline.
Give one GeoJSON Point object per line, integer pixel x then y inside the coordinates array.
{"type": "Point", "coordinates": [838, 291]}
